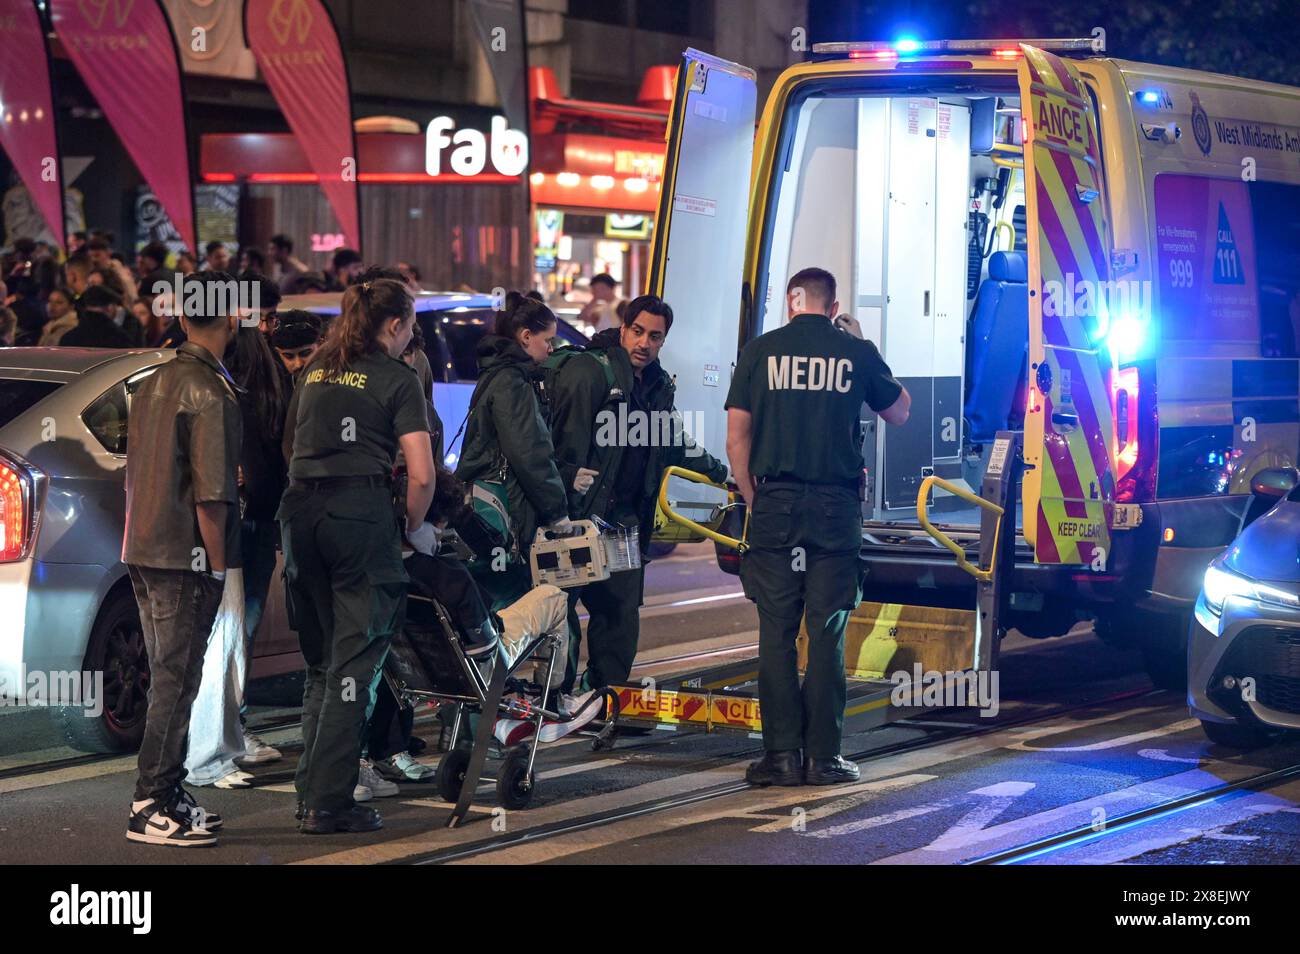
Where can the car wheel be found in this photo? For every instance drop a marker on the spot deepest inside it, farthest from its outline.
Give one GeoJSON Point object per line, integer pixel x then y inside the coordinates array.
{"type": "Point", "coordinates": [116, 649]}
{"type": "Point", "coordinates": [1236, 735]}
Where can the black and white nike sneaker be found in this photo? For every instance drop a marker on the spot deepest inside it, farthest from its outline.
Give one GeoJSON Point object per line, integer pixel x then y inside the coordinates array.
{"type": "Point", "coordinates": [199, 817]}
{"type": "Point", "coordinates": [153, 823]}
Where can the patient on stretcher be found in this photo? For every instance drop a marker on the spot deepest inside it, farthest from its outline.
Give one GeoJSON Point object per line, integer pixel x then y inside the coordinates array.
{"type": "Point", "coordinates": [444, 576]}
{"type": "Point", "coordinates": [541, 610]}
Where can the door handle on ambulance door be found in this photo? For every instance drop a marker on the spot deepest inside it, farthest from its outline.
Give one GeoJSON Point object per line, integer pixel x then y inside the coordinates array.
{"type": "Point", "coordinates": [1065, 420]}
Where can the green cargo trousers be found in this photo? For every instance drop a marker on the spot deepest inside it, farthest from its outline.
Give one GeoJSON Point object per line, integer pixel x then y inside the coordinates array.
{"type": "Point", "coordinates": [346, 594]}
{"type": "Point", "coordinates": [802, 563]}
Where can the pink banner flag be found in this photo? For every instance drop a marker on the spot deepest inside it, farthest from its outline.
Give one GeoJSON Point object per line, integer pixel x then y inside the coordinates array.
{"type": "Point", "coordinates": [297, 50]}
{"type": "Point", "coordinates": [125, 53]}
{"type": "Point", "coordinates": [27, 111]}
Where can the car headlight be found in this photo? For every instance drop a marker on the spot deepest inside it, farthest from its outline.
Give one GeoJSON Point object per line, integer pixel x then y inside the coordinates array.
{"type": "Point", "coordinates": [1220, 584]}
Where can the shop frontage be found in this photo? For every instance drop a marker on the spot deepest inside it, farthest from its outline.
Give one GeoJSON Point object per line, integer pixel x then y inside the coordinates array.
{"type": "Point", "coordinates": [595, 182]}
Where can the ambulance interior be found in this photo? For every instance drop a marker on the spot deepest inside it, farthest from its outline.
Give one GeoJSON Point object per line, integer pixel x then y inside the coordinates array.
{"type": "Point", "coordinates": [915, 202]}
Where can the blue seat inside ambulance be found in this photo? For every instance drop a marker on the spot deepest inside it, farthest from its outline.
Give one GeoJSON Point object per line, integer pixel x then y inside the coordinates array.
{"type": "Point", "coordinates": [999, 341]}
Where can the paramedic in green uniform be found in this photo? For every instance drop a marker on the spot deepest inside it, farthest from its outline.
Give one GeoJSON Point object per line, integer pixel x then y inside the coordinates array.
{"type": "Point", "coordinates": [355, 405]}
{"type": "Point", "coordinates": [801, 482]}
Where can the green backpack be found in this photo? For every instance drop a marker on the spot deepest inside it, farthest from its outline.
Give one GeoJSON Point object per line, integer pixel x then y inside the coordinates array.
{"type": "Point", "coordinates": [559, 358]}
{"type": "Point", "coordinates": [485, 525]}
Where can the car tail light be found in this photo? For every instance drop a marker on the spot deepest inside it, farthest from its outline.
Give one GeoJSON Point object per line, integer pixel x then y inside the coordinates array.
{"type": "Point", "coordinates": [21, 487]}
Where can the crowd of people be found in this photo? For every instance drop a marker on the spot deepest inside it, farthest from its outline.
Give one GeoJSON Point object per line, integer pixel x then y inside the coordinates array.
{"type": "Point", "coordinates": [275, 430]}
{"type": "Point", "coordinates": [93, 298]}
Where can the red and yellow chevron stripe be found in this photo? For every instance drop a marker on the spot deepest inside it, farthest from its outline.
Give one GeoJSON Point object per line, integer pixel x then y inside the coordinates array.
{"type": "Point", "coordinates": [1069, 435]}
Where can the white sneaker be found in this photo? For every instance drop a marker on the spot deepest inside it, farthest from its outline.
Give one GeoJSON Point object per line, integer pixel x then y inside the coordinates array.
{"type": "Point", "coordinates": [235, 779]}
{"type": "Point", "coordinates": [403, 768]}
{"type": "Point", "coordinates": [256, 751]}
{"type": "Point", "coordinates": [155, 824]}
{"type": "Point", "coordinates": [362, 794]}
{"type": "Point", "coordinates": [379, 786]}
{"type": "Point", "coordinates": [570, 704]}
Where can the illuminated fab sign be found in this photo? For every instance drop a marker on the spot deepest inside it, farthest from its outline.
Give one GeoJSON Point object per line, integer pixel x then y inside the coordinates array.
{"type": "Point", "coordinates": [508, 148]}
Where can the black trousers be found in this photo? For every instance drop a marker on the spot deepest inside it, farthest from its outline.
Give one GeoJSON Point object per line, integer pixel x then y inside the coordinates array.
{"type": "Point", "coordinates": [613, 629]}
{"type": "Point", "coordinates": [802, 563]}
{"type": "Point", "coordinates": [391, 723]}
{"type": "Point", "coordinates": [177, 609]}
{"type": "Point", "coordinates": [346, 590]}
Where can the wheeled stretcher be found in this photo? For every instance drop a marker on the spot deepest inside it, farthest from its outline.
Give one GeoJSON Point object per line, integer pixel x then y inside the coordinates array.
{"type": "Point", "coordinates": [466, 662]}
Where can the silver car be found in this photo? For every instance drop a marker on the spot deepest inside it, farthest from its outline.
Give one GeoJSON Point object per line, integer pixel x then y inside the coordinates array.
{"type": "Point", "coordinates": [1243, 662]}
{"type": "Point", "coordinates": [66, 605]}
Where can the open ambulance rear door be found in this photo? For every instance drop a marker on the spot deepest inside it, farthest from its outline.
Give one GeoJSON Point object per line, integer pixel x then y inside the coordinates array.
{"type": "Point", "coordinates": [1069, 436]}
{"type": "Point", "coordinates": [699, 245]}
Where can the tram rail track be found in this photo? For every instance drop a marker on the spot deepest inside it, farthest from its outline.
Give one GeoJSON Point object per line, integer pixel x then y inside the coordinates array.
{"type": "Point", "coordinates": [657, 806]}
{"type": "Point", "coordinates": [1084, 834]}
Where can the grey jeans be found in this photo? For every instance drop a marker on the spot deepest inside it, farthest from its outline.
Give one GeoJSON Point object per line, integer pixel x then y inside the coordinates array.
{"type": "Point", "coordinates": [177, 609]}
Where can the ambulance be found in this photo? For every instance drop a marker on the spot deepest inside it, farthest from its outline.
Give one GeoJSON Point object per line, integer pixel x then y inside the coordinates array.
{"type": "Point", "coordinates": [1101, 254]}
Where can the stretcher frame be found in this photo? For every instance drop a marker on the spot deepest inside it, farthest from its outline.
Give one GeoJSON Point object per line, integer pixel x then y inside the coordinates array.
{"type": "Point", "coordinates": [466, 688]}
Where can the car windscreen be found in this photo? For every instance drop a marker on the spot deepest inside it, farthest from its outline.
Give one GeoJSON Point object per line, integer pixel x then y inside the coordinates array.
{"type": "Point", "coordinates": [451, 340]}
{"type": "Point", "coordinates": [19, 394]}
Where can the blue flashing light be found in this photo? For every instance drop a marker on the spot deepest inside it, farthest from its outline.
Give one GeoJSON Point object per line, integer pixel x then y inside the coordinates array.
{"type": "Point", "coordinates": [1149, 97]}
{"type": "Point", "coordinates": [1125, 337]}
{"type": "Point", "coordinates": [907, 45]}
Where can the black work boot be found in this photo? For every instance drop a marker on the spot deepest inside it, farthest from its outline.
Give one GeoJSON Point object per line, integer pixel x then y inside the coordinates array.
{"type": "Point", "coordinates": [317, 821]}
{"type": "Point", "coordinates": [776, 768]}
{"type": "Point", "coordinates": [832, 771]}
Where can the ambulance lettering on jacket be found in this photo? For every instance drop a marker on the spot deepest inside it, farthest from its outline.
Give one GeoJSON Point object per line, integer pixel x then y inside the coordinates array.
{"type": "Point", "coordinates": [353, 379]}
{"type": "Point", "coordinates": [802, 373]}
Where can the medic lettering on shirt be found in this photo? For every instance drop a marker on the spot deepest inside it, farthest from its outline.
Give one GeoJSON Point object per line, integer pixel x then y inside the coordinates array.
{"type": "Point", "coordinates": [802, 373]}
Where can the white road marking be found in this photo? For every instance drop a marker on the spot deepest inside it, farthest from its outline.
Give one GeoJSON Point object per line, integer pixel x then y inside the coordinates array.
{"type": "Point", "coordinates": [1083, 813]}
{"type": "Point", "coordinates": [851, 797]}
{"type": "Point", "coordinates": [578, 768]}
{"type": "Point", "coordinates": [1173, 727]}
{"type": "Point", "coordinates": [997, 799]}
{"type": "Point", "coordinates": [1162, 755]}
{"type": "Point", "coordinates": [1221, 836]}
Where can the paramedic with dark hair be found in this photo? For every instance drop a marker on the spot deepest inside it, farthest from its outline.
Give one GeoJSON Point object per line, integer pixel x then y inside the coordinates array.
{"type": "Point", "coordinates": [355, 406]}
{"type": "Point", "coordinates": [614, 472]}
{"type": "Point", "coordinates": [801, 484]}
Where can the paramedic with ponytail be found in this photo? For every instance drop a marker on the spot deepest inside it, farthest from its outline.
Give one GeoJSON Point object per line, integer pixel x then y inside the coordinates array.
{"type": "Point", "coordinates": [506, 431]}
{"type": "Point", "coordinates": [355, 405]}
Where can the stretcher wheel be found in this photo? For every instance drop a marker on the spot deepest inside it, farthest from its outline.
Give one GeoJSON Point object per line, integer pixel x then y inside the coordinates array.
{"type": "Point", "coordinates": [515, 784]}
{"type": "Point", "coordinates": [451, 774]}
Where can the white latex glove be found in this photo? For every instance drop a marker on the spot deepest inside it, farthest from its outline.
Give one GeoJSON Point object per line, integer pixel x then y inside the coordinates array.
{"type": "Point", "coordinates": [584, 479]}
{"type": "Point", "coordinates": [563, 527]}
{"type": "Point", "coordinates": [848, 323]}
{"type": "Point", "coordinates": [424, 538]}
